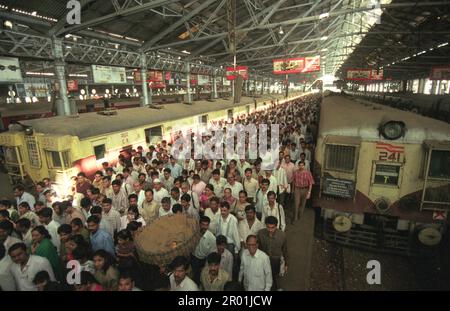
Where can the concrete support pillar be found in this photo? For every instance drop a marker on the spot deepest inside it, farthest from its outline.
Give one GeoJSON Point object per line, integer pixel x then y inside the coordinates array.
{"type": "Point", "coordinates": [188, 82]}
{"type": "Point", "coordinates": [214, 86]}
{"type": "Point", "coordinates": [262, 86]}
{"type": "Point", "coordinates": [63, 106]}
{"type": "Point", "coordinates": [146, 99]}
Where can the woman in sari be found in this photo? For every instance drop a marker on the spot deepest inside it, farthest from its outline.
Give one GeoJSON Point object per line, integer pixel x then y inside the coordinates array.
{"type": "Point", "coordinates": [43, 246]}
{"type": "Point", "coordinates": [241, 204]}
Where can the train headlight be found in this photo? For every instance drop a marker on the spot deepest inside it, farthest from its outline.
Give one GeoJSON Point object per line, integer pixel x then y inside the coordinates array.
{"type": "Point", "coordinates": [392, 130]}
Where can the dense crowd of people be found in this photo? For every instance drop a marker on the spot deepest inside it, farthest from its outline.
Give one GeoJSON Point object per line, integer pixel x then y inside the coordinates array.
{"type": "Point", "coordinates": [85, 241]}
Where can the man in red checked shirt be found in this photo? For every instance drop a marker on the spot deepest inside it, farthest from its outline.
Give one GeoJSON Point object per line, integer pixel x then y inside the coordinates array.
{"type": "Point", "coordinates": [302, 185]}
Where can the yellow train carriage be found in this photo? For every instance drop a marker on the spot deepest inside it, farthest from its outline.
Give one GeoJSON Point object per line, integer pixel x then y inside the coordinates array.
{"type": "Point", "coordinates": [60, 147]}
{"type": "Point", "coordinates": [384, 176]}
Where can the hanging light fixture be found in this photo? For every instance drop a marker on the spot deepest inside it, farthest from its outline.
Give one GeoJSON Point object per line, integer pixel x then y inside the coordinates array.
{"type": "Point", "coordinates": [281, 31]}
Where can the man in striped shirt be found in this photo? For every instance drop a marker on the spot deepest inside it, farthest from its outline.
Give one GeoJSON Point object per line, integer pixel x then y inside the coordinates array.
{"type": "Point", "coordinates": [302, 185]}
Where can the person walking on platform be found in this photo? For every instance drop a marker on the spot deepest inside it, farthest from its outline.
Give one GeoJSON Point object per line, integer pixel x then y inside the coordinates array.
{"type": "Point", "coordinates": [302, 185]}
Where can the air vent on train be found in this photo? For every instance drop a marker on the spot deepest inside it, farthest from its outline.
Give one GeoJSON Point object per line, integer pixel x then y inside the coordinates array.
{"type": "Point", "coordinates": [392, 130]}
{"type": "Point", "coordinates": [108, 112]}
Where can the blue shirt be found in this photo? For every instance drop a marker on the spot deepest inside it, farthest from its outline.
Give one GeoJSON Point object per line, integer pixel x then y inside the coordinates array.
{"type": "Point", "coordinates": [102, 240]}
{"type": "Point", "coordinates": [175, 170]}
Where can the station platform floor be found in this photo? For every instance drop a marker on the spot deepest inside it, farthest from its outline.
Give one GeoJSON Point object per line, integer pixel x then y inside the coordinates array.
{"type": "Point", "coordinates": [300, 237]}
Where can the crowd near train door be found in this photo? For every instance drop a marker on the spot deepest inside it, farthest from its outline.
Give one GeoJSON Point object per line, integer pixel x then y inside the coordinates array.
{"type": "Point", "coordinates": [153, 135]}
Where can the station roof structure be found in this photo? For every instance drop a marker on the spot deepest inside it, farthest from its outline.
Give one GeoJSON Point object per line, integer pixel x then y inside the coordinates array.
{"type": "Point", "coordinates": [403, 37]}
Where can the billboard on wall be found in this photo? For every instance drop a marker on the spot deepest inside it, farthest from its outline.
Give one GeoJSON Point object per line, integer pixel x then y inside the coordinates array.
{"type": "Point", "coordinates": [72, 85]}
{"type": "Point", "coordinates": [296, 65]}
{"type": "Point", "coordinates": [233, 72]}
{"type": "Point", "coordinates": [109, 74]}
{"type": "Point", "coordinates": [203, 79]}
{"type": "Point", "coordinates": [365, 74]}
{"type": "Point", "coordinates": [10, 70]}
{"type": "Point", "coordinates": [440, 73]}
{"type": "Point", "coordinates": [152, 76]}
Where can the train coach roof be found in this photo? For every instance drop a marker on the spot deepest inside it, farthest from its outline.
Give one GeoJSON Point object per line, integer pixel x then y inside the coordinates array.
{"type": "Point", "coordinates": [347, 116]}
{"type": "Point", "coordinates": [93, 124]}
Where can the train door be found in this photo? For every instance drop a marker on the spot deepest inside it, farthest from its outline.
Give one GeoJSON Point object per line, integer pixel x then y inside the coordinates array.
{"type": "Point", "coordinates": [153, 135]}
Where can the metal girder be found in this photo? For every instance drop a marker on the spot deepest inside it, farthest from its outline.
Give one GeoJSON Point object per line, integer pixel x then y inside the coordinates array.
{"type": "Point", "coordinates": [25, 45]}
{"type": "Point", "coordinates": [210, 18]}
{"type": "Point", "coordinates": [121, 13]}
{"type": "Point", "coordinates": [62, 20]}
{"type": "Point", "coordinates": [304, 20]}
{"type": "Point", "coordinates": [146, 46]}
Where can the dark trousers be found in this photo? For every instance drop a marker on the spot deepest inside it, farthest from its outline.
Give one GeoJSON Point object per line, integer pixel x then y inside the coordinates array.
{"type": "Point", "coordinates": [275, 263]}
{"type": "Point", "coordinates": [197, 266]}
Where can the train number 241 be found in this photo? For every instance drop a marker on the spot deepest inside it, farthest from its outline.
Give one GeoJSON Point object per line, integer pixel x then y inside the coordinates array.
{"type": "Point", "coordinates": [389, 156]}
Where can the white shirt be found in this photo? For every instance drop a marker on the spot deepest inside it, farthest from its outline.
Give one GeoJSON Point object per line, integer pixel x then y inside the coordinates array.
{"type": "Point", "coordinates": [10, 241]}
{"type": "Point", "coordinates": [235, 188]}
{"type": "Point", "coordinates": [250, 186]}
{"type": "Point", "coordinates": [186, 285]}
{"type": "Point", "coordinates": [280, 175]}
{"type": "Point", "coordinates": [7, 282]}
{"type": "Point", "coordinates": [26, 197]}
{"type": "Point", "coordinates": [124, 221]}
{"type": "Point", "coordinates": [245, 230]}
{"type": "Point", "coordinates": [229, 229]}
{"type": "Point", "coordinates": [141, 198]}
{"type": "Point", "coordinates": [273, 186]}
{"type": "Point", "coordinates": [278, 212]}
{"type": "Point", "coordinates": [206, 245]}
{"type": "Point", "coordinates": [159, 195]}
{"type": "Point", "coordinates": [218, 186]}
{"type": "Point", "coordinates": [256, 271]}
{"type": "Point", "coordinates": [226, 261]}
{"type": "Point", "coordinates": [194, 199]}
{"type": "Point", "coordinates": [261, 200]}
{"type": "Point", "coordinates": [105, 225]}
{"type": "Point", "coordinates": [52, 228]}
{"type": "Point", "coordinates": [162, 212]}
{"type": "Point", "coordinates": [212, 218]}
{"type": "Point", "coordinates": [24, 277]}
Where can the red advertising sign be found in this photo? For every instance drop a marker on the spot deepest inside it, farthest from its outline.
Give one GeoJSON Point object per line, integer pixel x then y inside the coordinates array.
{"type": "Point", "coordinates": [152, 76]}
{"type": "Point", "coordinates": [72, 85]}
{"type": "Point", "coordinates": [440, 73]}
{"type": "Point", "coordinates": [168, 76]}
{"type": "Point", "coordinates": [296, 65]}
{"type": "Point", "coordinates": [364, 74]}
{"type": "Point", "coordinates": [232, 72]}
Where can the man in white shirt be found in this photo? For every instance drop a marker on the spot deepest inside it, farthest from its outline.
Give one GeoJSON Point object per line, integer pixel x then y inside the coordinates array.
{"type": "Point", "coordinates": [178, 279]}
{"type": "Point", "coordinates": [274, 209]}
{"type": "Point", "coordinates": [227, 226]}
{"type": "Point", "coordinates": [250, 225]}
{"type": "Point", "coordinates": [273, 183]}
{"type": "Point", "coordinates": [7, 282]}
{"type": "Point", "coordinates": [104, 224]}
{"type": "Point", "coordinates": [211, 211]}
{"type": "Point", "coordinates": [25, 267]}
{"type": "Point", "coordinates": [166, 207]}
{"type": "Point", "coordinates": [45, 218]}
{"type": "Point", "coordinates": [188, 208]}
{"type": "Point", "coordinates": [218, 183]}
{"type": "Point", "coordinates": [234, 185]}
{"type": "Point", "coordinates": [255, 267]}
{"type": "Point", "coordinates": [194, 197]}
{"type": "Point", "coordinates": [111, 215]}
{"type": "Point", "coordinates": [226, 257]}
{"type": "Point", "coordinates": [250, 184]}
{"type": "Point", "coordinates": [261, 197]}
{"type": "Point", "coordinates": [139, 192]}
{"type": "Point", "coordinates": [23, 196]}
{"type": "Point", "coordinates": [158, 191]}
{"type": "Point", "coordinates": [205, 246]}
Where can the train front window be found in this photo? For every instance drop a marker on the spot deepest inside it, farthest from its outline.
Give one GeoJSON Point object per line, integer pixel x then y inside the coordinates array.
{"type": "Point", "coordinates": [387, 174]}
{"type": "Point", "coordinates": [58, 159]}
{"type": "Point", "coordinates": [440, 164]}
{"type": "Point", "coordinates": [11, 155]}
{"type": "Point", "coordinates": [340, 157]}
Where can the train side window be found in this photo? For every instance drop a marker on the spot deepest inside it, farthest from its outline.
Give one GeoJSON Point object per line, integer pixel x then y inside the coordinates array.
{"type": "Point", "coordinates": [100, 151]}
{"type": "Point", "coordinates": [340, 158]}
{"type": "Point", "coordinates": [57, 159]}
{"type": "Point", "coordinates": [230, 114]}
{"type": "Point", "coordinates": [439, 164]}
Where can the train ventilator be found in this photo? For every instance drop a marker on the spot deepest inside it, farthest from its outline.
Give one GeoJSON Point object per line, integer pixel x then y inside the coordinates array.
{"type": "Point", "coordinates": [384, 176]}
